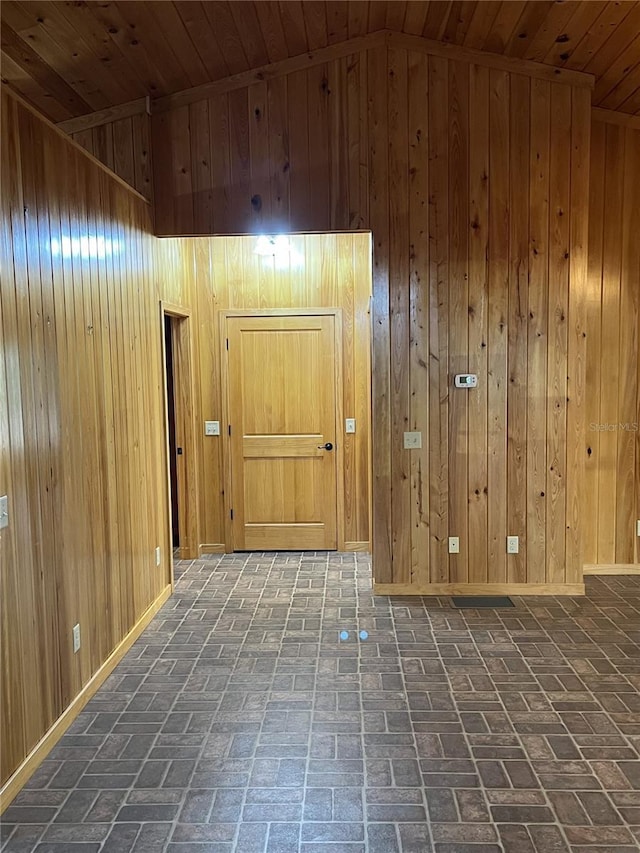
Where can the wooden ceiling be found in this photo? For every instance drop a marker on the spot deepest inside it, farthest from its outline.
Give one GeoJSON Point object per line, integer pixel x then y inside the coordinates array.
{"type": "Point", "coordinates": [72, 58]}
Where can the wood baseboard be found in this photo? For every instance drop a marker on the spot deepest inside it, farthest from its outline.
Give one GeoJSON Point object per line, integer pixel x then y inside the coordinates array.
{"type": "Point", "coordinates": [613, 569]}
{"type": "Point", "coordinates": [364, 547]}
{"type": "Point", "coordinates": [16, 781]}
{"type": "Point", "coordinates": [212, 548]}
{"type": "Point", "coordinates": [478, 589]}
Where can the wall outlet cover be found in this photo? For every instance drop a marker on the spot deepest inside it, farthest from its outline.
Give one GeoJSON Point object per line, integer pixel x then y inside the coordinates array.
{"type": "Point", "coordinates": [212, 427]}
{"type": "Point", "coordinates": [454, 544]}
{"type": "Point", "coordinates": [513, 545]}
{"type": "Point", "coordinates": [76, 638]}
{"type": "Point", "coordinates": [412, 440]}
{"type": "Point", "coordinates": [4, 511]}
{"type": "Point", "coordinates": [158, 556]}
{"type": "Point", "coordinates": [350, 425]}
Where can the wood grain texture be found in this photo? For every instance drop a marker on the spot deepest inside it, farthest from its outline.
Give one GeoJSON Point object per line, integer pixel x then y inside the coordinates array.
{"type": "Point", "coordinates": [83, 450]}
{"type": "Point", "coordinates": [70, 58]}
{"type": "Point", "coordinates": [322, 271]}
{"type": "Point", "coordinates": [612, 441]}
{"type": "Point", "coordinates": [483, 278]}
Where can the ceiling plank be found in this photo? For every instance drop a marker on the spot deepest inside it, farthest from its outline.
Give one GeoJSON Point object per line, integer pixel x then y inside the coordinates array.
{"type": "Point", "coordinates": [616, 44]}
{"type": "Point", "coordinates": [459, 21]}
{"type": "Point", "coordinates": [315, 22]}
{"type": "Point", "coordinates": [437, 17]}
{"type": "Point", "coordinates": [293, 24]}
{"type": "Point", "coordinates": [61, 45]}
{"type": "Point", "coordinates": [203, 38]}
{"type": "Point", "coordinates": [527, 27]}
{"type": "Point", "coordinates": [620, 79]}
{"type": "Point", "coordinates": [26, 58]}
{"type": "Point", "coordinates": [605, 24]}
{"type": "Point", "coordinates": [504, 25]}
{"type": "Point", "coordinates": [415, 17]}
{"type": "Point", "coordinates": [337, 21]}
{"type": "Point", "coordinates": [583, 18]}
{"type": "Point", "coordinates": [481, 23]}
{"type": "Point", "coordinates": [227, 36]}
{"type": "Point", "coordinates": [272, 30]}
{"type": "Point", "coordinates": [377, 15]}
{"type": "Point", "coordinates": [553, 28]}
{"type": "Point", "coordinates": [358, 18]}
{"type": "Point", "coordinates": [248, 26]}
{"type": "Point", "coordinates": [177, 37]}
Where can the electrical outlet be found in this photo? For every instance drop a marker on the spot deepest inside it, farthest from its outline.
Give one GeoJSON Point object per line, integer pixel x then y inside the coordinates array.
{"type": "Point", "coordinates": [158, 556]}
{"type": "Point", "coordinates": [350, 425]}
{"type": "Point", "coordinates": [454, 544]}
{"type": "Point", "coordinates": [513, 545]}
{"type": "Point", "coordinates": [412, 440]}
{"type": "Point", "coordinates": [212, 427]}
{"type": "Point", "coordinates": [637, 527]}
{"type": "Point", "coordinates": [76, 638]}
{"type": "Point", "coordinates": [4, 511]}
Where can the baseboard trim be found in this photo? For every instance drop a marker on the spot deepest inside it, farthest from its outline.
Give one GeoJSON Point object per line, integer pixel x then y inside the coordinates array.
{"type": "Point", "coordinates": [357, 546]}
{"type": "Point", "coordinates": [613, 569]}
{"type": "Point", "coordinates": [478, 589]}
{"type": "Point", "coordinates": [212, 548]}
{"type": "Point", "coordinates": [16, 781]}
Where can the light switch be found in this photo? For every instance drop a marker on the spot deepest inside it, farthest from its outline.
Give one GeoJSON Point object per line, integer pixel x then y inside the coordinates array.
{"type": "Point", "coordinates": [412, 440]}
{"type": "Point", "coordinates": [350, 425]}
{"type": "Point", "coordinates": [212, 427]}
{"type": "Point", "coordinates": [4, 511]}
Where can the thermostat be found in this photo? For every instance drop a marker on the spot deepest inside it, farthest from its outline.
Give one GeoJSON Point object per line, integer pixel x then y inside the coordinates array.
{"type": "Point", "coordinates": [466, 380]}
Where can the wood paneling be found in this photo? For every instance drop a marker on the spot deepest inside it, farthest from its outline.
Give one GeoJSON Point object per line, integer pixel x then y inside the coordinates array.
{"type": "Point", "coordinates": [81, 421]}
{"type": "Point", "coordinates": [612, 493]}
{"type": "Point", "coordinates": [124, 146]}
{"type": "Point", "coordinates": [321, 271]}
{"type": "Point", "coordinates": [474, 182]}
{"type": "Point", "coordinates": [71, 58]}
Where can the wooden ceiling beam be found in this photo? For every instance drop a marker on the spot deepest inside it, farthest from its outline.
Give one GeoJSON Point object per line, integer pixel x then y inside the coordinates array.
{"type": "Point", "coordinates": [27, 59]}
{"type": "Point", "coordinates": [615, 117]}
{"type": "Point", "coordinates": [86, 122]}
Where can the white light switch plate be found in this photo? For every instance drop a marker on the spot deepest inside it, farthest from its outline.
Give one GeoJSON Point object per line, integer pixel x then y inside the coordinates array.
{"type": "Point", "coordinates": [158, 556]}
{"type": "Point", "coordinates": [412, 440]}
{"type": "Point", "coordinates": [76, 638]}
{"type": "Point", "coordinates": [350, 425]}
{"type": "Point", "coordinates": [454, 544]}
{"type": "Point", "coordinates": [4, 511]}
{"type": "Point", "coordinates": [212, 427]}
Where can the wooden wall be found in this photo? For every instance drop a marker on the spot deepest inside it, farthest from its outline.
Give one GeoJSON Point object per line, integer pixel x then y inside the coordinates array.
{"type": "Point", "coordinates": [82, 449]}
{"type": "Point", "coordinates": [124, 146]}
{"type": "Point", "coordinates": [474, 182]}
{"type": "Point", "coordinates": [332, 270]}
{"type": "Point", "coordinates": [613, 355]}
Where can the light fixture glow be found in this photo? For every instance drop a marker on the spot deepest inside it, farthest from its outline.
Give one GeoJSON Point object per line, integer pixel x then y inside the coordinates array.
{"type": "Point", "coordinates": [85, 247]}
{"type": "Point", "coordinates": [278, 247]}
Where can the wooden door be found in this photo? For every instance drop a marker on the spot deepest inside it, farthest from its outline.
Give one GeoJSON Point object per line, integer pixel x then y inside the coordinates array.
{"type": "Point", "coordinates": [282, 414]}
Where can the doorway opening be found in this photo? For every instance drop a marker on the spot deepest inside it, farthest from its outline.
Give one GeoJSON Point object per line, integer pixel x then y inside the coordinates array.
{"type": "Point", "coordinates": [182, 483]}
{"type": "Point", "coordinates": [295, 354]}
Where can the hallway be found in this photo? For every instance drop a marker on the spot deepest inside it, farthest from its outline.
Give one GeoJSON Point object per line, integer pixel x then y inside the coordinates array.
{"type": "Point", "coordinates": [240, 722]}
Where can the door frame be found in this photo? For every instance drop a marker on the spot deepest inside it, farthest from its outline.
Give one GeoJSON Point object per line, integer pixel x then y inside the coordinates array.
{"type": "Point", "coordinates": [339, 431]}
{"type": "Point", "coordinates": [184, 402]}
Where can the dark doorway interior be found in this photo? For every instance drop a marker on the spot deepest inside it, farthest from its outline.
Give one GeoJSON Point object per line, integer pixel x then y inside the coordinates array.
{"type": "Point", "coordinates": [171, 416]}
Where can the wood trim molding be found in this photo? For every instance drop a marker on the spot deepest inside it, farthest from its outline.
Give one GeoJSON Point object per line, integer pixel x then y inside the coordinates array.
{"type": "Point", "coordinates": [106, 116]}
{"type": "Point", "coordinates": [16, 781]}
{"type": "Point", "coordinates": [612, 569]}
{"type": "Point", "coordinates": [361, 547]}
{"type": "Point", "coordinates": [368, 42]}
{"type": "Point", "coordinates": [212, 548]}
{"type": "Point", "coordinates": [491, 60]}
{"type": "Point", "coordinates": [447, 589]}
{"type": "Point", "coordinates": [70, 141]}
{"type": "Point", "coordinates": [614, 117]}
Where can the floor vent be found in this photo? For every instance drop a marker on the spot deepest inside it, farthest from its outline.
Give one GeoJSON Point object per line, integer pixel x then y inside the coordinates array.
{"type": "Point", "coordinates": [482, 601]}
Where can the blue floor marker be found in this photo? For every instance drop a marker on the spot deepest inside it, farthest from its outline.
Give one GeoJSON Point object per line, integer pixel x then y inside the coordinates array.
{"type": "Point", "coordinates": [344, 635]}
{"type": "Point", "coordinates": [363, 635]}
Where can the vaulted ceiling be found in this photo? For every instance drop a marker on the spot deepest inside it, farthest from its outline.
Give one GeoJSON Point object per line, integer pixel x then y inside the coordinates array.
{"type": "Point", "coordinates": [72, 58]}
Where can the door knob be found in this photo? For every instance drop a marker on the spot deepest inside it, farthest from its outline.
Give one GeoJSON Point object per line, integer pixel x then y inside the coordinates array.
{"type": "Point", "coordinates": [327, 446]}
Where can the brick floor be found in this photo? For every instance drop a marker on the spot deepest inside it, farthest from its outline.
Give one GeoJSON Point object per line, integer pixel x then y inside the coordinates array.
{"type": "Point", "coordinates": [240, 722]}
